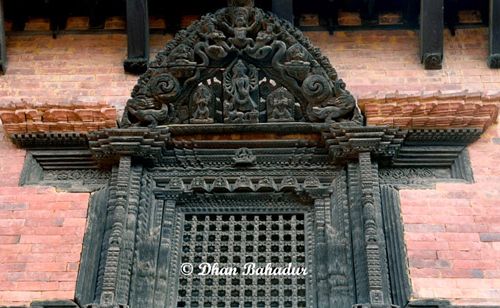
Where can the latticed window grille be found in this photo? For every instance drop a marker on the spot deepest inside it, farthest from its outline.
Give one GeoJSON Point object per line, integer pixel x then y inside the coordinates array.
{"type": "Point", "coordinates": [232, 241]}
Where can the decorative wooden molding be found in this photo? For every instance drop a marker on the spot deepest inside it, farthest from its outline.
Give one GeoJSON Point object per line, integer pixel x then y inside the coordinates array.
{"type": "Point", "coordinates": [432, 110]}
{"type": "Point", "coordinates": [24, 118]}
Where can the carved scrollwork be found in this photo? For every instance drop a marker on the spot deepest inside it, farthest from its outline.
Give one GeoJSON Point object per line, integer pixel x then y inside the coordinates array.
{"type": "Point", "coordinates": [245, 47]}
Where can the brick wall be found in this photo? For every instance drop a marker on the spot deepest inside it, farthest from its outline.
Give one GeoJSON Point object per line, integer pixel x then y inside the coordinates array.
{"type": "Point", "coordinates": [452, 233]}
{"type": "Point", "coordinates": [41, 233]}
{"type": "Point", "coordinates": [453, 241]}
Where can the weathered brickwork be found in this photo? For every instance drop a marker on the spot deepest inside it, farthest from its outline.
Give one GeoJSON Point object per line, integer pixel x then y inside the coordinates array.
{"type": "Point", "coordinates": [452, 232]}
{"type": "Point", "coordinates": [41, 233]}
{"type": "Point", "coordinates": [25, 118]}
{"type": "Point", "coordinates": [432, 110]}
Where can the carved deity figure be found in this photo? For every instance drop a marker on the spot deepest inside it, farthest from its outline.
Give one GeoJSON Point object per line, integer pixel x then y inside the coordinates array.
{"type": "Point", "coordinates": [280, 106]}
{"type": "Point", "coordinates": [244, 156]}
{"type": "Point", "coordinates": [241, 26]}
{"type": "Point", "coordinates": [202, 99]}
{"type": "Point", "coordinates": [239, 84]}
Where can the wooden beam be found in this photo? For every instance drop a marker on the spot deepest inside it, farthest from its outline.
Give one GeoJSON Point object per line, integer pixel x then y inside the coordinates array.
{"type": "Point", "coordinates": [58, 11]}
{"type": "Point", "coordinates": [20, 16]}
{"type": "Point", "coordinates": [494, 57]}
{"type": "Point", "coordinates": [410, 12]}
{"type": "Point", "coordinates": [369, 12]}
{"type": "Point", "coordinates": [138, 37]}
{"type": "Point", "coordinates": [284, 9]}
{"type": "Point", "coordinates": [97, 17]}
{"type": "Point", "coordinates": [431, 33]}
{"type": "Point", "coordinates": [451, 15]}
{"type": "Point", "coordinates": [3, 50]}
{"type": "Point", "coordinates": [332, 13]}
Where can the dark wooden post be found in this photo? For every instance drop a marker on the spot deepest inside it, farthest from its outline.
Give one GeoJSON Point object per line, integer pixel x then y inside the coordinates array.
{"type": "Point", "coordinates": [451, 15]}
{"type": "Point", "coordinates": [494, 57]}
{"type": "Point", "coordinates": [58, 16]}
{"type": "Point", "coordinates": [431, 33]}
{"type": "Point", "coordinates": [20, 9]}
{"type": "Point", "coordinates": [284, 9]}
{"type": "Point", "coordinates": [3, 53]}
{"type": "Point", "coordinates": [410, 12]}
{"type": "Point", "coordinates": [96, 15]}
{"type": "Point", "coordinates": [138, 37]}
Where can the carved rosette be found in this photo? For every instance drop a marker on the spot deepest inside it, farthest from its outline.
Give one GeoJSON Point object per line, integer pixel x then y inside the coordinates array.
{"type": "Point", "coordinates": [243, 48]}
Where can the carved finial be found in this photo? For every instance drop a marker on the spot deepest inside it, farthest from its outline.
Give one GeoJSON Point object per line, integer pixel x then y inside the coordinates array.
{"type": "Point", "coordinates": [245, 3]}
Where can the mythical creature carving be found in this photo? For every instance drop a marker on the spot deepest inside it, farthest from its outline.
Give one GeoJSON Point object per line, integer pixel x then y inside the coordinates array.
{"type": "Point", "coordinates": [181, 61]}
{"type": "Point", "coordinates": [240, 84]}
{"type": "Point", "coordinates": [245, 48]}
{"type": "Point", "coordinates": [335, 107]}
{"type": "Point", "coordinates": [297, 64]}
{"type": "Point", "coordinates": [155, 109]}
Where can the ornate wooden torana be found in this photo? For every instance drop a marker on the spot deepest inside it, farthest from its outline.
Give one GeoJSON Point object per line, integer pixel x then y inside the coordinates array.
{"type": "Point", "coordinates": [240, 144]}
{"type": "Point", "coordinates": [239, 65]}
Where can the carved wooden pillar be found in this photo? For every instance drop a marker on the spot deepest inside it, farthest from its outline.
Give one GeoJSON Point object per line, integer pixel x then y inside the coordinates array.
{"type": "Point", "coordinates": [138, 37]}
{"type": "Point", "coordinates": [410, 12]}
{"type": "Point", "coordinates": [284, 9]}
{"type": "Point", "coordinates": [494, 56]}
{"type": "Point", "coordinates": [3, 53]}
{"type": "Point", "coordinates": [371, 268]}
{"type": "Point", "coordinates": [394, 238]}
{"type": "Point", "coordinates": [116, 265]}
{"type": "Point", "coordinates": [431, 33]}
{"type": "Point", "coordinates": [165, 250]}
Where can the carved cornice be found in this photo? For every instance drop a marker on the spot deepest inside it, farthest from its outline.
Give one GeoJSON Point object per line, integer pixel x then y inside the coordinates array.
{"type": "Point", "coordinates": [24, 118]}
{"type": "Point", "coordinates": [437, 110]}
{"type": "Point", "coordinates": [345, 142]}
{"type": "Point", "coordinates": [107, 146]}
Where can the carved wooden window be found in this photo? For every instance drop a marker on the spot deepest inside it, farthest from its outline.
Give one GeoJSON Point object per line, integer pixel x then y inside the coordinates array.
{"type": "Point", "coordinates": [233, 240]}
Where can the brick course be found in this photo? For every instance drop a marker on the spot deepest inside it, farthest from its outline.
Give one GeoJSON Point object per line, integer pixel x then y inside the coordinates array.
{"type": "Point", "coordinates": [453, 248]}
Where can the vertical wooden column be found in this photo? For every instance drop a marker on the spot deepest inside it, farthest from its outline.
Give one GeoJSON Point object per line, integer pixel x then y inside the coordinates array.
{"type": "Point", "coordinates": [3, 53]}
{"type": "Point", "coordinates": [284, 9]}
{"type": "Point", "coordinates": [410, 12]}
{"type": "Point", "coordinates": [431, 33]}
{"type": "Point", "coordinates": [58, 11]}
{"type": "Point", "coordinates": [96, 14]}
{"type": "Point", "coordinates": [494, 56]}
{"type": "Point", "coordinates": [451, 15]}
{"type": "Point", "coordinates": [138, 37]}
{"type": "Point", "coordinates": [117, 217]}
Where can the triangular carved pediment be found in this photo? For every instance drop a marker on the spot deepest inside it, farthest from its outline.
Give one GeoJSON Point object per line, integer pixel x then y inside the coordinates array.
{"type": "Point", "coordinates": [239, 65]}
